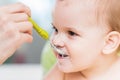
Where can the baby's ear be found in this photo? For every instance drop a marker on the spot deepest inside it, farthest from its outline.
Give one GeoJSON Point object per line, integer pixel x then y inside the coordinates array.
{"type": "Point", "coordinates": [112, 42]}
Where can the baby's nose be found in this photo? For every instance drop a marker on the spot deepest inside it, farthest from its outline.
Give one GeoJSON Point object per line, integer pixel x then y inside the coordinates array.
{"type": "Point", "coordinates": [58, 41]}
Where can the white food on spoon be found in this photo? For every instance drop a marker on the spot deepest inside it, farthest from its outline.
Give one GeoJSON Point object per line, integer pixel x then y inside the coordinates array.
{"type": "Point", "coordinates": [58, 50]}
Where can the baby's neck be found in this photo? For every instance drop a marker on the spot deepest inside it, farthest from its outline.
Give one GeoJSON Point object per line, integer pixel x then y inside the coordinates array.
{"type": "Point", "coordinates": [103, 72]}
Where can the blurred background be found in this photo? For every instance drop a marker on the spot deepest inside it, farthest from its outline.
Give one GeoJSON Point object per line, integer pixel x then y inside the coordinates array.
{"type": "Point", "coordinates": [41, 13]}
{"type": "Point", "coordinates": [25, 63]}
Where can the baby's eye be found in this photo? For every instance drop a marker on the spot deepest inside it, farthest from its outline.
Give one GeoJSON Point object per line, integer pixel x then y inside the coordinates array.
{"type": "Point", "coordinates": [55, 29]}
{"type": "Point", "coordinates": [71, 33]}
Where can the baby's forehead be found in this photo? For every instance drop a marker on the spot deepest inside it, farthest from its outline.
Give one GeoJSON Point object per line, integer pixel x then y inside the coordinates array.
{"type": "Point", "coordinates": [74, 11]}
{"type": "Point", "coordinates": [96, 7]}
{"type": "Point", "coordinates": [95, 4]}
{"type": "Point", "coordinates": [78, 4]}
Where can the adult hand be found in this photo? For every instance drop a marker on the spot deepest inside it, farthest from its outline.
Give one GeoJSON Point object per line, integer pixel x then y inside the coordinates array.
{"type": "Point", "coordinates": [15, 29]}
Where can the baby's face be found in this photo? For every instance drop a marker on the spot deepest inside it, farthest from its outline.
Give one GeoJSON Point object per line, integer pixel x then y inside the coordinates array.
{"type": "Point", "coordinates": [77, 35]}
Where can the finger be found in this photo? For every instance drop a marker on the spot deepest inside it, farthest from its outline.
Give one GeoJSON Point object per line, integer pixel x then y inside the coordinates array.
{"type": "Point", "coordinates": [17, 8]}
{"type": "Point", "coordinates": [18, 17]}
{"type": "Point", "coordinates": [25, 38]}
{"type": "Point", "coordinates": [25, 27]}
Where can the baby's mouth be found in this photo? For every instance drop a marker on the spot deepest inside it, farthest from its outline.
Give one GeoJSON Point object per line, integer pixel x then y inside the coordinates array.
{"type": "Point", "coordinates": [60, 53]}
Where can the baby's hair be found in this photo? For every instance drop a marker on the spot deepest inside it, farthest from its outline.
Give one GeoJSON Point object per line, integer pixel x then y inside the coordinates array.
{"type": "Point", "coordinates": [114, 19]}
{"type": "Point", "coordinates": [110, 11]}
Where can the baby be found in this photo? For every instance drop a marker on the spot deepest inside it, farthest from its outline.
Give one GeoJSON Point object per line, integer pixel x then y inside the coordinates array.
{"type": "Point", "coordinates": [86, 40]}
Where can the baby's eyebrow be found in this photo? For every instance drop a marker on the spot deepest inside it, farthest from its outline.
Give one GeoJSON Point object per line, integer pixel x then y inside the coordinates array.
{"type": "Point", "coordinates": [67, 27]}
{"type": "Point", "coordinates": [53, 25]}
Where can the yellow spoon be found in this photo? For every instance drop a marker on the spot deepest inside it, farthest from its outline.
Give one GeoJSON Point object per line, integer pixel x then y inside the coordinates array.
{"type": "Point", "coordinates": [39, 30]}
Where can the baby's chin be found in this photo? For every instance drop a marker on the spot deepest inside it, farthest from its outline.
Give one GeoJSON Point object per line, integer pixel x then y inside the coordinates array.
{"type": "Point", "coordinates": [67, 69]}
